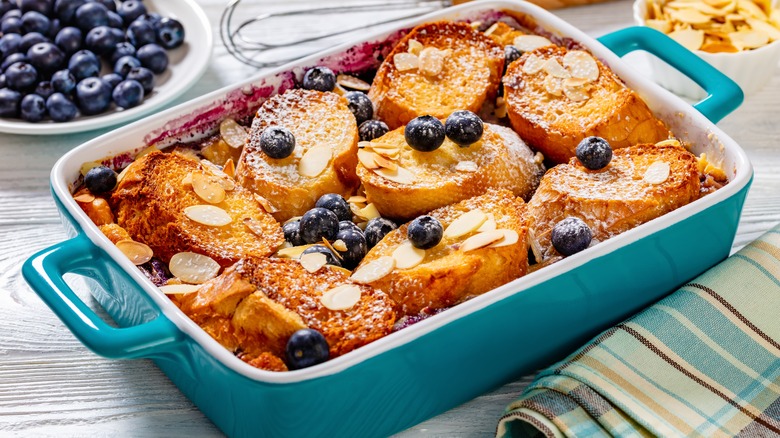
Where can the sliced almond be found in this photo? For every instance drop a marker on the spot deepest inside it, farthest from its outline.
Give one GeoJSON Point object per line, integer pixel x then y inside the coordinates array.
{"type": "Point", "coordinates": [407, 255]}
{"type": "Point", "coordinates": [338, 89]}
{"type": "Point", "coordinates": [233, 134]}
{"type": "Point", "coordinates": [385, 163]}
{"type": "Point", "coordinates": [415, 47]}
{"type": "Point", "coordinates": [206, 189]}
{"type": "Point", "coordinates": [368, 159]}
{"type": "Point", "coordinates": [208, 215]}
{"type": "Point", "coordinates": [466, 166]}
{"type": "Point", "coordinates": [533, 64]}
{"type": "Point", "coordinates": [328, 245]}
{"type": "Point", "coordinates": [123, 173]}
{"type": "Point", "coordinates": [229, 168]}
{"type": "Point", "coordinates": [255, 226]}
{"type": "Point", "coordinates": [313, 261]}
{"type": "Point", "coordinates": [689, 16]}
{"type": "Point", "coordinates": [341, 297]}
{"type": "Point", "coordinates": [657, 172]}
{"type": "Point", "coordinates": [357, 199]}
{"type": "Point", "coordinates": [553, 86]}
{"type": "Point", "coordinates": [578, 94]}
{"type": "Point", "coordinates": [481, 240]}
{"type": "Point", "coordinates": [691, 39]}
{"type": "Point", "coordinates": [266, 204]}
{"type": "Point", "coordinates": [491, 29]}
{"type": "Point", "coordinates": [373, 270]}
{"type": "Point", "coordinates": [719, 48]}
{"type": "Point", "coordinates": [432, 61]}
{"type": "Point", "coordinates": [526, 43]}
{"type": "Point", "coordinates": [352, 82]}
{"type": "Point", "coordinates": [668, 142]}
{"type": "Point", "coordinates": [536, 249]}
{"type": "Point", "coordinates": [187, 180]}
{"type": "Point", "coordinates": [488, 225]}
{"type": "Point", "coordinates": [510, 238]}
{"type": "Point", "coordinates": [659, 25]}
{"type": "Point", "coordinates": [193, 268]}
{"type": "Point", "coordinates": [292, 252]}
{"type": "Point", "coordinates": [405, 61]}
{"type": "Point", "coordinates": [554, 68]}
{"type": "Point", "coordinates": [84, 198]}
{"type": "Point", "coordinates": [400, 175]}
{"type": "Point", "coordinates": [465, 223]}
{"type": "Point", "coordinates": [475, 24]}
{"type": "Point", "coordinates": [315, 161]}
{"type": "Point", "coordinates": [147, 151]}
{"type": "Point", "coordinates": [388, 152]}
{"type": "Point", "coordinates": [581, 65]}
{"type": "Point", "coordinates": [762, 26]}
{"type": "Point", "coordinates": [138, 253]}
{"type": "Point", "coordinates": [747, 8]}
{"type": "Point", "coordinates": [748, 39]}
{"type": "Point", "coordinates": [179, 289]}
{"type": "Point", "coordinates": [339, 245]}
{"type": "Point", "coordinates": [574, 82]}
{"type": "Point", "coordinates": [368, 212]}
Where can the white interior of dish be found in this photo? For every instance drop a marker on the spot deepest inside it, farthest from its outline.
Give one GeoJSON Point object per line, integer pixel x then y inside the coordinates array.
{"type": "Point", "coordinates": [686, 122]}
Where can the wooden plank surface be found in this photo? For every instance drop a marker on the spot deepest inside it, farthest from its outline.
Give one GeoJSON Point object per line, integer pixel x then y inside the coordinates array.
{"type": "Point", "coordinates": [51, 385]}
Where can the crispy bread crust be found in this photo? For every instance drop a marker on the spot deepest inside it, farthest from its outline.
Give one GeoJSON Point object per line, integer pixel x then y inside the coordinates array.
{"type": "Point", "coordinates": [503, 161]}
{"type": "Point", "coordinates": [617, 198]}
{"type": "Point", "coordinates": [315, 118]}
{"type": "Point", "coordinates": [471, 74]}
{"type": "Point", "coordinates": [150, 200]}
{"type": "Point", "coordinates": [556, 125]}
{"type": "Point", "coordinates": [448, 276]}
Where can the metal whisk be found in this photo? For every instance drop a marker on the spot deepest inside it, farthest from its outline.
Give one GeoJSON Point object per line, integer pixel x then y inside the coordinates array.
{"type": "Point", "coordinates": [258, 42]}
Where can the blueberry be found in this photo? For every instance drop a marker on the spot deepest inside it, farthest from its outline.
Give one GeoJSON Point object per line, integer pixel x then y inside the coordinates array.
{"type": "Point", "coordinates": [11, 25]}
{"type": "Point", "coordinates": [292, 233]}
{"type": "Point", "coordinates": [319, 223]}
{"type": "Point", "coordinates": [277, 142]}
{"type": "Point", "coordinates": [115, 21]}
{"type": "Point", "coordinates": [424, 133]}
{"type": "Point", "coordinates": [464, 128]}
{"type": "Point", "coordinates": [571, 236]}
{"type": "Point", "coordinates": [319, 78]}
{"type": "Point", "coordinates": [141, 32]}
{"type": "Point", "coordinates": [54, 29]}
{"type": "Point", "coordinates": [330, 258]}
{"type": "Point", "coordinates": [109, 4]}
{"type": "Point", "coordinates": [123, 65]}
{"type": "Point", "coordinates": [153, 57]}
{"type": "Point", "coordinates": [511, 54]}
{"type": "Point", "coordinates": [130, 10]}
{"type": "Point", "coordinates": [42, 6]}
{"type": "Point", "coordinates": [65, 10]}
{"type": "Point", "coordinates": [144, 76]}
{"type": "Point", "coordinates": [7, 5]}
{"type": "Point", "coordinates": [425, 232]}
{"type": "Point", "coordinates": [60, 108]}
{"type": "Point", "coordinates": [15, 13]}
{"type": "Point", "coordinates": [360, 105]}
{"type": "Point", "coordinates": [13, 58]}
{"type": "Point", "coordinates": [357, 247]}
{"type": "Point", "coordinates": [128, 94]}
{"type": "Point", "coordinates": [70, 39]}
{"type": "Point", "coordinates": [113, 79]}
{"type": "Point", "coordinates": [122, 49]}
{"type": "Point", "coordinates": [594, 153]}
{"type": "Point", "coordinates": [46, 57]}
{"type": "Point", "coordinates": [102, 40]}
{"type": "Point", "coordinates": [305, 348]}
{"type": "Point", "coordinates": [84, 64]}
{"type": "Point", "coordinates": [9, 44]}
{"type": "Point", "coordinates": [63, 82]}
{"type": "Point", "coordinates": [34, 21]}
{"type": "Point", "coordinates": [152, 17]}
{"type": "Point", "coordinates": [335, 203]}
{"type": "Point", "coordinates": [93, 96]}
{"type": "Point", "coordinates": [349, 225]}
{"type": "Point", "coordinates": [30, 40]}
{"type": "Point", "coordinates": [377, 229]}
{"type": "Point", "coordinates": [100, 179]}
{"type": "Point", "coordinates": [44, 89]}
{"type": "Point", "coordinates": [371, 129]}
{"type": "Point", "coordinates": [9, 102]}
{"type": "Point", "coordinates": [91, 15]}
{"type": "Point", "coordinates": [3, 81]}
{"type": "Point", "coordinates": [33, 108]}
{"type": "Point", "coordinates": [21, 76]}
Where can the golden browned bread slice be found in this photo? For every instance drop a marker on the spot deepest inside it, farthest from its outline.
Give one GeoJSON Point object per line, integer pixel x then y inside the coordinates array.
{"type": "Point", "coordinates": [556, 97]}
{"type": "Point", "coordinates": [424, 181]}
{"type": "Point", "coordinates": [451, 271]}
{"type": "Point", "coordinates": [640, 183]}
{"type": "Point", "coordinates": [256, 304]}
{"type": "Point", "coordinates": [150, 202]}
{"type": "Point", "coordinates": [457, 68]}
{"type": "Point", "coordinates": [324, 157]}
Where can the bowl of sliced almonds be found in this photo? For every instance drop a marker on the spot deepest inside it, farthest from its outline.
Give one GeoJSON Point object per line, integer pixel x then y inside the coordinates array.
{"type": "Point", "coordinates": [741, 38]}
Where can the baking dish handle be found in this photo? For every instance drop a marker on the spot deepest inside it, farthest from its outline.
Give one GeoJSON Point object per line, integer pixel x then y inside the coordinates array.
{"type": "Point", "coordinates": [723, 94]}
{"type": "Point", "coordinates": [44, 273]}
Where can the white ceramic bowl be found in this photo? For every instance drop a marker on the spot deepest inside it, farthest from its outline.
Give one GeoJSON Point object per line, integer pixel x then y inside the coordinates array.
{"type": "Point", "coordinates": [751, 69]}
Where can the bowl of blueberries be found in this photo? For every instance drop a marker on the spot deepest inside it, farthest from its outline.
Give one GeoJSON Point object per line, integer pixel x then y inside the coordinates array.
{"type": "Point", "coordinates": [78, 65]}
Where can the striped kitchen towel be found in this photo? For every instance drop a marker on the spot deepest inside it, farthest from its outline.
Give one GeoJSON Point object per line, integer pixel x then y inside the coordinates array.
{"type": "Point", "coordinates": [705, 361]}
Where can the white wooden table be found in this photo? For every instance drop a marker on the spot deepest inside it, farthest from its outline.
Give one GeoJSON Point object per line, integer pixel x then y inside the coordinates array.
{"type": "Point", "coordinates": [51, 385]}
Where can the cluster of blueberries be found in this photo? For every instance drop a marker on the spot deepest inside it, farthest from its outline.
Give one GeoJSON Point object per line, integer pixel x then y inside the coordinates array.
{"type": "Point", "coordinates": [52, 53]}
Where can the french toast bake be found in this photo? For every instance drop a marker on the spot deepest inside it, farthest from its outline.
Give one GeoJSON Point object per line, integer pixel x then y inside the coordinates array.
{"type": "Point", "coordinates": [324, 158]}
{"type": "Point", "coordinates": [428, 180]}
{"type": "Point", "coordinates": [556, 97]}
{"type": "Point", "coordinates": [435, 69]}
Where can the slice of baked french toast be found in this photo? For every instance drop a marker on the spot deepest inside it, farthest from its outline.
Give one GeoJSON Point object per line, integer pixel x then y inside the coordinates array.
{"type": "Point", "coordinates": [174, 203]}
{"type": "Point", "coordinates": [436, 69]}
{"type": "Point", "coordinates": [556, 97]}
{"type": "Point", "coordinates": [254, 307]}
{"type": "Point", "coordinates": [404, 183]}
{"type": "Point", "coordinates": [641, 183]}
{"type": "Point", "coordinates": [483, 246]}
{"type": "Point", "coordinates": [324, 158]}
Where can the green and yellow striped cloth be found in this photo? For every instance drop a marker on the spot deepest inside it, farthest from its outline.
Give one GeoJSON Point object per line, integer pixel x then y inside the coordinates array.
{"type": "Point", "coordinates": [705, 361]}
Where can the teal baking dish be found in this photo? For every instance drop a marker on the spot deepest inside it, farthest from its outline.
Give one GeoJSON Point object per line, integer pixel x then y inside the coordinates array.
{"type": "Point", "coordinates": [444, 360]}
